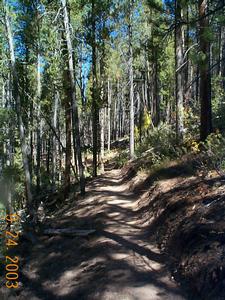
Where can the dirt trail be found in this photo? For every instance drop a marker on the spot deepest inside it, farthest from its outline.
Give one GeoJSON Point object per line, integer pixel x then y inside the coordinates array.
{"type": "Point", "coordinates": [117, 263]}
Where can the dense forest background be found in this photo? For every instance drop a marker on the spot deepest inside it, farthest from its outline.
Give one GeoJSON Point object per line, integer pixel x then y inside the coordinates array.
{"type": "Point", "coordinates": [79, 79]}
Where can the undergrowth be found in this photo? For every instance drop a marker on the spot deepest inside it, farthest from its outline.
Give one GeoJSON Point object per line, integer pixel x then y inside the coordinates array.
{"type": "Point", "coordinates": [160, 146]}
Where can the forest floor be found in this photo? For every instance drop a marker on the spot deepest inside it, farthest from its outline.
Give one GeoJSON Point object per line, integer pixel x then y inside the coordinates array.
{"type": "Point", "coordinates": [147, 228]}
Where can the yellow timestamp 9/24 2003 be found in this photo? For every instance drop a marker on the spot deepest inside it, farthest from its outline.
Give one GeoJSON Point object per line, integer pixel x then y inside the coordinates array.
{"type": "Point", "coordinates": [11, 263]}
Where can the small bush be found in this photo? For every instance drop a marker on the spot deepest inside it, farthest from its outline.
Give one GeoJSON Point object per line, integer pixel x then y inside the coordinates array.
{"type": "Point", "coordinates": [192, 123]}
{"type": "Point", "coordinates": [122, 159]}
{"type": "Point", "coordinates": [161, 140]}
{"type": "Point", "coordinates": [211, 153]}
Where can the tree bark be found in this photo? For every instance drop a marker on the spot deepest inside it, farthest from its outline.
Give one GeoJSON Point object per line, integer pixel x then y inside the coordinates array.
{"type": "Point", "coordinates": [102, 139]}
{"type": "Point", "coordinates": [54, 140]}
{"type": "Point", "coordinates": [117, 112]}
{"type": "Point", "coordinates": [38, 100]}
{"type": "Point", "coordinates": [109, 115]}
{"type": "Point", "coordinates": [73, 101]}
{"type": "Point", "coordinates": [131, 81]}
{"type": "Point", "coordinates": [179, 72]}
{"type": "Point", "coordinates": [156, 104]}
{"type": "Point", "coordinates": [95, 110]}
{"type": "Point", "coordinates": [222, 55]}
{"type": "Point", "coordinates": [205, 76]}
{"type": "Point", "coordinates": [68, 121]}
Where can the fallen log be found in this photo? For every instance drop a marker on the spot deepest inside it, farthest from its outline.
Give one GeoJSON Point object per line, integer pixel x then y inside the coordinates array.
{"type": "Point", "coordinates": [69, 231]}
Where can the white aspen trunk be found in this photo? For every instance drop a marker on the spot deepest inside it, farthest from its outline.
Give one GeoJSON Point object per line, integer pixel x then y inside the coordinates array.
{"type": "Point", "coordinates": [179, 73]}
{"type": "Point", "coordinates": [118, 110]}
{"type": "Point", "coordinates": [109, 115]}
{"type": "Point", "coordinates": [114, 119]}
{"type": "Point", "coordinates": [39, 123]}
{"type": "Point", "coordinates": [54, 140]}
{"type": "Point", "coordinates": [102, 139]}
{"type": "Point", "coordinates": [131, 79]}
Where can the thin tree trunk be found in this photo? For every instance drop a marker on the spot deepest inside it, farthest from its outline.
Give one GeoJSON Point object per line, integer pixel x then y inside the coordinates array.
{"type": "Point", "coordinates": [115, 118]}
{"type": "Point", "coordinates": [117, 113]}
{"type": "Point", "coordinates": [131, 80]}
{"type": "Point", "coordinates": [179, 72]}
{"type": "Point", "coordinates": [109, 115]}
{"type": "Point", "coordinates": [123, 112]}
{"type": "Point", "coordinates": [68, 142]}
{"type": "Point", "coordinates": [9, 158]}
{"type": "Point", "coordinates": [54, 140]}
{"type": "Point", "coordinates": [140, 111]}
{"type": "Point", "coordinates": [73, 94]}
{"type": "Point", "coordinates": [222, 68]}
{"type": "Point", "coordinates": [38, 97]}
{"type": "Point", "coordinates": [60, 151]}
{"type": "Point", "coordinates": [102, 139]}
{"type": "Point", "coordinates": [205, 76]}
{"type": "Point", "coordinates": [187, 67]}
{"type": "Point", "coordinates": [49, 154]}
{"type": "Point", "coordinates": [95, 110]}
{"type": "Point", "coordinates": [156, 105]}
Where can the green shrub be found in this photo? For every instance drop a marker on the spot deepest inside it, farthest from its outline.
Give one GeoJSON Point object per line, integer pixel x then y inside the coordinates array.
{"type": "Point", "coordinates": [122, 159]}
{"type": "Point", "coordinates": [211, 154]}
{"type": "Point", "coordinates": [161, 141]}
{"type": "Point", "coordinates": [192, 123]}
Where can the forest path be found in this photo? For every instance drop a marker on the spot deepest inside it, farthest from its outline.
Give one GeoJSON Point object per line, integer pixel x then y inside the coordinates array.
{"type": "Point", "coordinates": [117, 263]}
